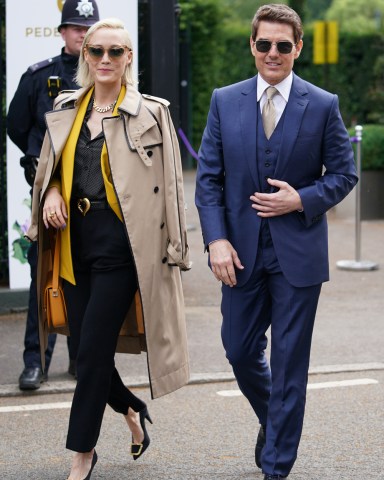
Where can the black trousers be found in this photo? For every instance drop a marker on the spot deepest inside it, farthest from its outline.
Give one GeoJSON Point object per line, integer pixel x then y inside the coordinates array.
{"type": "Point", "coordinates": [105, 287]}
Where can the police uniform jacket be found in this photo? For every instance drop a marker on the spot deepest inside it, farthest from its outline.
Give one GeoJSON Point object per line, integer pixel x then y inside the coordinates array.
{"type": "Point", "coordinates": [146, 174]}
{"type": "Point", "coordinates": [32, 99]}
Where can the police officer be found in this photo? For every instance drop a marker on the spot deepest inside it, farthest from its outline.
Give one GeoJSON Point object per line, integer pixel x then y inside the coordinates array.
{"type": "Point", "coordinates": [34, 96]}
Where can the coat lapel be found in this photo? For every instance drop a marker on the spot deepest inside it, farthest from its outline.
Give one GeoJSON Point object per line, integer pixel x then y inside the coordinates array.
{"type": "Point", "coordinates": [248, 105]}
{"type": "Point", "coordinates": [59, 124]}
{"type": "Point", "coordinates": [136, 124]}
{"type": "Point", "coordinates": [297, 103]}
{"type": "Point", "coordinates": [60, 121]}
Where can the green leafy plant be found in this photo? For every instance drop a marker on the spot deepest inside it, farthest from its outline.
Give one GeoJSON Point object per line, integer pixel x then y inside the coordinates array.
{"type": "Point", "coordinates": [21, 245]}
{"type": "Point", "coordinates": [372, 147]}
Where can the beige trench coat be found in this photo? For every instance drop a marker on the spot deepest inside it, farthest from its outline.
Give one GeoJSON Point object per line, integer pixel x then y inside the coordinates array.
{"type": "Point", "coordinates": [146, 173]}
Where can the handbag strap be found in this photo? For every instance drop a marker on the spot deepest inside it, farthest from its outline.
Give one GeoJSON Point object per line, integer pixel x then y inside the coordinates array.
{"type": "Point", "coordinates": [56, 262]}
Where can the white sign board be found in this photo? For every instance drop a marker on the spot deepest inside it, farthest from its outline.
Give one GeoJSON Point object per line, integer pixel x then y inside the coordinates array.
{"type": "Point", "coordinates": [32, 36]}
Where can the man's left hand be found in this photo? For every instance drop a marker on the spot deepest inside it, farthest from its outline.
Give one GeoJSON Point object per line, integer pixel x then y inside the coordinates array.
{"type": "Point", "coordinates": [285, 200]}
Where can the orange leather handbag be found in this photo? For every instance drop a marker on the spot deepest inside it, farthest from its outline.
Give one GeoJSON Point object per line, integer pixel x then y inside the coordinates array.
{"type": "Point", "coordinates": [54, 301]}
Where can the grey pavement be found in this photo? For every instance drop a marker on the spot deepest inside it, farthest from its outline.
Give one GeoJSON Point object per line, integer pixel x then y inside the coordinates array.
{"type": "Point", "coordinates": [200, 434]}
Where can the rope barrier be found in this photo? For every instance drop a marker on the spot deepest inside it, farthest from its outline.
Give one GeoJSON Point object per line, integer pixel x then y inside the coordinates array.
{"type": "Point", "coordinates": [187, 144]}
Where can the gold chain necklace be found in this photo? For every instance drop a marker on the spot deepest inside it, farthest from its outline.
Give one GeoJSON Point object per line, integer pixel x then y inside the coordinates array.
{"type": "Point", "coordinates": [103, 109]}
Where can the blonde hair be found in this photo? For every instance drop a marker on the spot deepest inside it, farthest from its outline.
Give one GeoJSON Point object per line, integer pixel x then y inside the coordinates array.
{"type": "Point", "coordinates": [83, 76]}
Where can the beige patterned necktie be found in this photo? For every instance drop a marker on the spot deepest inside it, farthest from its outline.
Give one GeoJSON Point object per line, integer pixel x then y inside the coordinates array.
{"type": "Point", "coordinates": [269, 112]}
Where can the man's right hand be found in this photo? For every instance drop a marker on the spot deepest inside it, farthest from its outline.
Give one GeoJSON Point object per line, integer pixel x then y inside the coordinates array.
{"type": "Point", "coordinates": [224, 259]}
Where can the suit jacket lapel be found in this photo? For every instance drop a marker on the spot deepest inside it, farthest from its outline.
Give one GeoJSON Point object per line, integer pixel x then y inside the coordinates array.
{"type": "Point", "coordinates": [248, 105]}
{"type": "Point", "coordinates": [294, 111]}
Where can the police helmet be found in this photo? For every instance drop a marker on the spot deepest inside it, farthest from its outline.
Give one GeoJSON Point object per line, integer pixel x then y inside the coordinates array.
{"type": "Point", "coordinates": [79, 12]}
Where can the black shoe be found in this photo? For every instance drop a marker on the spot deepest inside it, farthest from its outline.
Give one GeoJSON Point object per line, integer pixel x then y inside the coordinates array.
{"type": "Point", "coordinates": [94, 461]}
{"type": "Point", "coordinates": [273, 477]}
{"type": "Point", "coordinates": [260, 443]}
{"type": "Point", "coordinates": [72, 368]}
{"type": "Point", "coordinates": [31, 378]}
{"type": "Point", "coordinates": [137, 449]}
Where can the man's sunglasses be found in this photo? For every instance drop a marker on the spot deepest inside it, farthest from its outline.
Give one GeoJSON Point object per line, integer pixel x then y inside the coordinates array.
{"type": "Point", "coordinates": [265, 46]}
{"type": "Point", "coordinates": [113, 52]}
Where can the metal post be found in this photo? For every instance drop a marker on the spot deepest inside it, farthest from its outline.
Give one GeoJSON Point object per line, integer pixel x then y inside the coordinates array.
{"type": "Point", "coordinates": [359, 134]}
{"type": "Point", "coordinates": [357, 264]}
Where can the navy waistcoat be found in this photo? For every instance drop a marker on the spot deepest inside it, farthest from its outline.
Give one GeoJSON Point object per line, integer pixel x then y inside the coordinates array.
{"type": "Point", "coordinates": [267, 151]}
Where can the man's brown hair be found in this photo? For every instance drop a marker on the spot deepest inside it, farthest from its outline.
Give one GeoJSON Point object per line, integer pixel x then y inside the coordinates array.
{"type": "Point", "coordinates": [276, 12]}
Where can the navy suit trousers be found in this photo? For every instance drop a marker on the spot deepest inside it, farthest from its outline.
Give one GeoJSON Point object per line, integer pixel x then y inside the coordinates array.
{"type": "Point", "coordinates": [277, 392]}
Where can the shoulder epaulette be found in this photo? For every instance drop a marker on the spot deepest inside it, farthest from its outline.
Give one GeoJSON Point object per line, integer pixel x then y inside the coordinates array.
{"type": "Point", "coordinates": [156, 99]}
{"type": "Point", "coordinates": [61, 99]}
{"type": "Point", "coordinates": [43, 64]}
{"type": "Point", "coordinates": [62, 92]}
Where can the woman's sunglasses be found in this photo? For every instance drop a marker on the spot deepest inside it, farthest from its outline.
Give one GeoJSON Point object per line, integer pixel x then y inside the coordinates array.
{"type": "Point", "coordinates": [113, 52]}
{"type": "Point", "coordinates": [265, 46]}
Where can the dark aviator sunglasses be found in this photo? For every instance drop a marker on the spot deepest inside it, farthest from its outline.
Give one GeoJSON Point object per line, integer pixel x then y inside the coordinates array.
{"type": "Point", "coordinates": [265, 46]}
{"type": "Point", "coordinates": [113, 52]}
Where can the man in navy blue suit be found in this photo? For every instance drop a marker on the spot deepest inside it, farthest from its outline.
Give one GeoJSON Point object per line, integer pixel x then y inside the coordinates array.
{"type": "Point", "coordinates": [272, 162]}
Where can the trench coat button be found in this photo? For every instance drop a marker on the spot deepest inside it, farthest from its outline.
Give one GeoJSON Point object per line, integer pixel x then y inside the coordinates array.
{"type": "Point", "coordinates": [162, 225]}
{"type": "Point", "coordinates": [164, 260]}
{"type": "Point", "coordinates": [149, 153]}
{"type": "Point", "coordinates": [156, 189]}
{"type": "Point", "coordinates": [267, 164]}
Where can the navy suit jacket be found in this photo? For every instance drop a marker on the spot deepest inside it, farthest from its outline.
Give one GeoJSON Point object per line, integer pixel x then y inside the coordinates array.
{"type": "Point", "coordinates": [315, 158]}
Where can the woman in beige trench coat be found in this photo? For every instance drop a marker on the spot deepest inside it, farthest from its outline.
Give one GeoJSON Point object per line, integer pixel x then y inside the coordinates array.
{"type": "Point", "coordinates": [139, 195]}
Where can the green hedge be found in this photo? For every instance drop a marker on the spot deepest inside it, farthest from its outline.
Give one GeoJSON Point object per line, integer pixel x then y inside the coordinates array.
{"type": "Point", "coordinates": [357, 78]}
{"type": "Point", "coordinates": [372, 147]}
{"type": "Point", "coordinates": [201, 22]}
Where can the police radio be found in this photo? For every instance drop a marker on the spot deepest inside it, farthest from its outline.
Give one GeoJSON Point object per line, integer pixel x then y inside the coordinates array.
{"type": "Point", "coordinates": [54, 86]}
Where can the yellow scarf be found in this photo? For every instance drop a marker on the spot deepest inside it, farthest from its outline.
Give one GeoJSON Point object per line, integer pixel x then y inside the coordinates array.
{"type": "Point", "coordinates": [67, 165]}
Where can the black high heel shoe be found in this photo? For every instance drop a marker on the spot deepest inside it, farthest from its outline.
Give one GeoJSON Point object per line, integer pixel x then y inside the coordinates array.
{"type": "Point", "coordinates": [137, 449]}
{"type": "Point", "coordinates": [94, 461]}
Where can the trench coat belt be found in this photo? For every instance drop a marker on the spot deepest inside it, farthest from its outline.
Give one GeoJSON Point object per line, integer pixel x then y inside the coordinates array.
{"type": "Point", "coordinates": [84, 205]}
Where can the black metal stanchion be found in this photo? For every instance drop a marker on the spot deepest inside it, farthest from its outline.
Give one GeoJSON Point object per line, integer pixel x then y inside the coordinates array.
{"type": "Point", "coordinates": [357, 264]}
